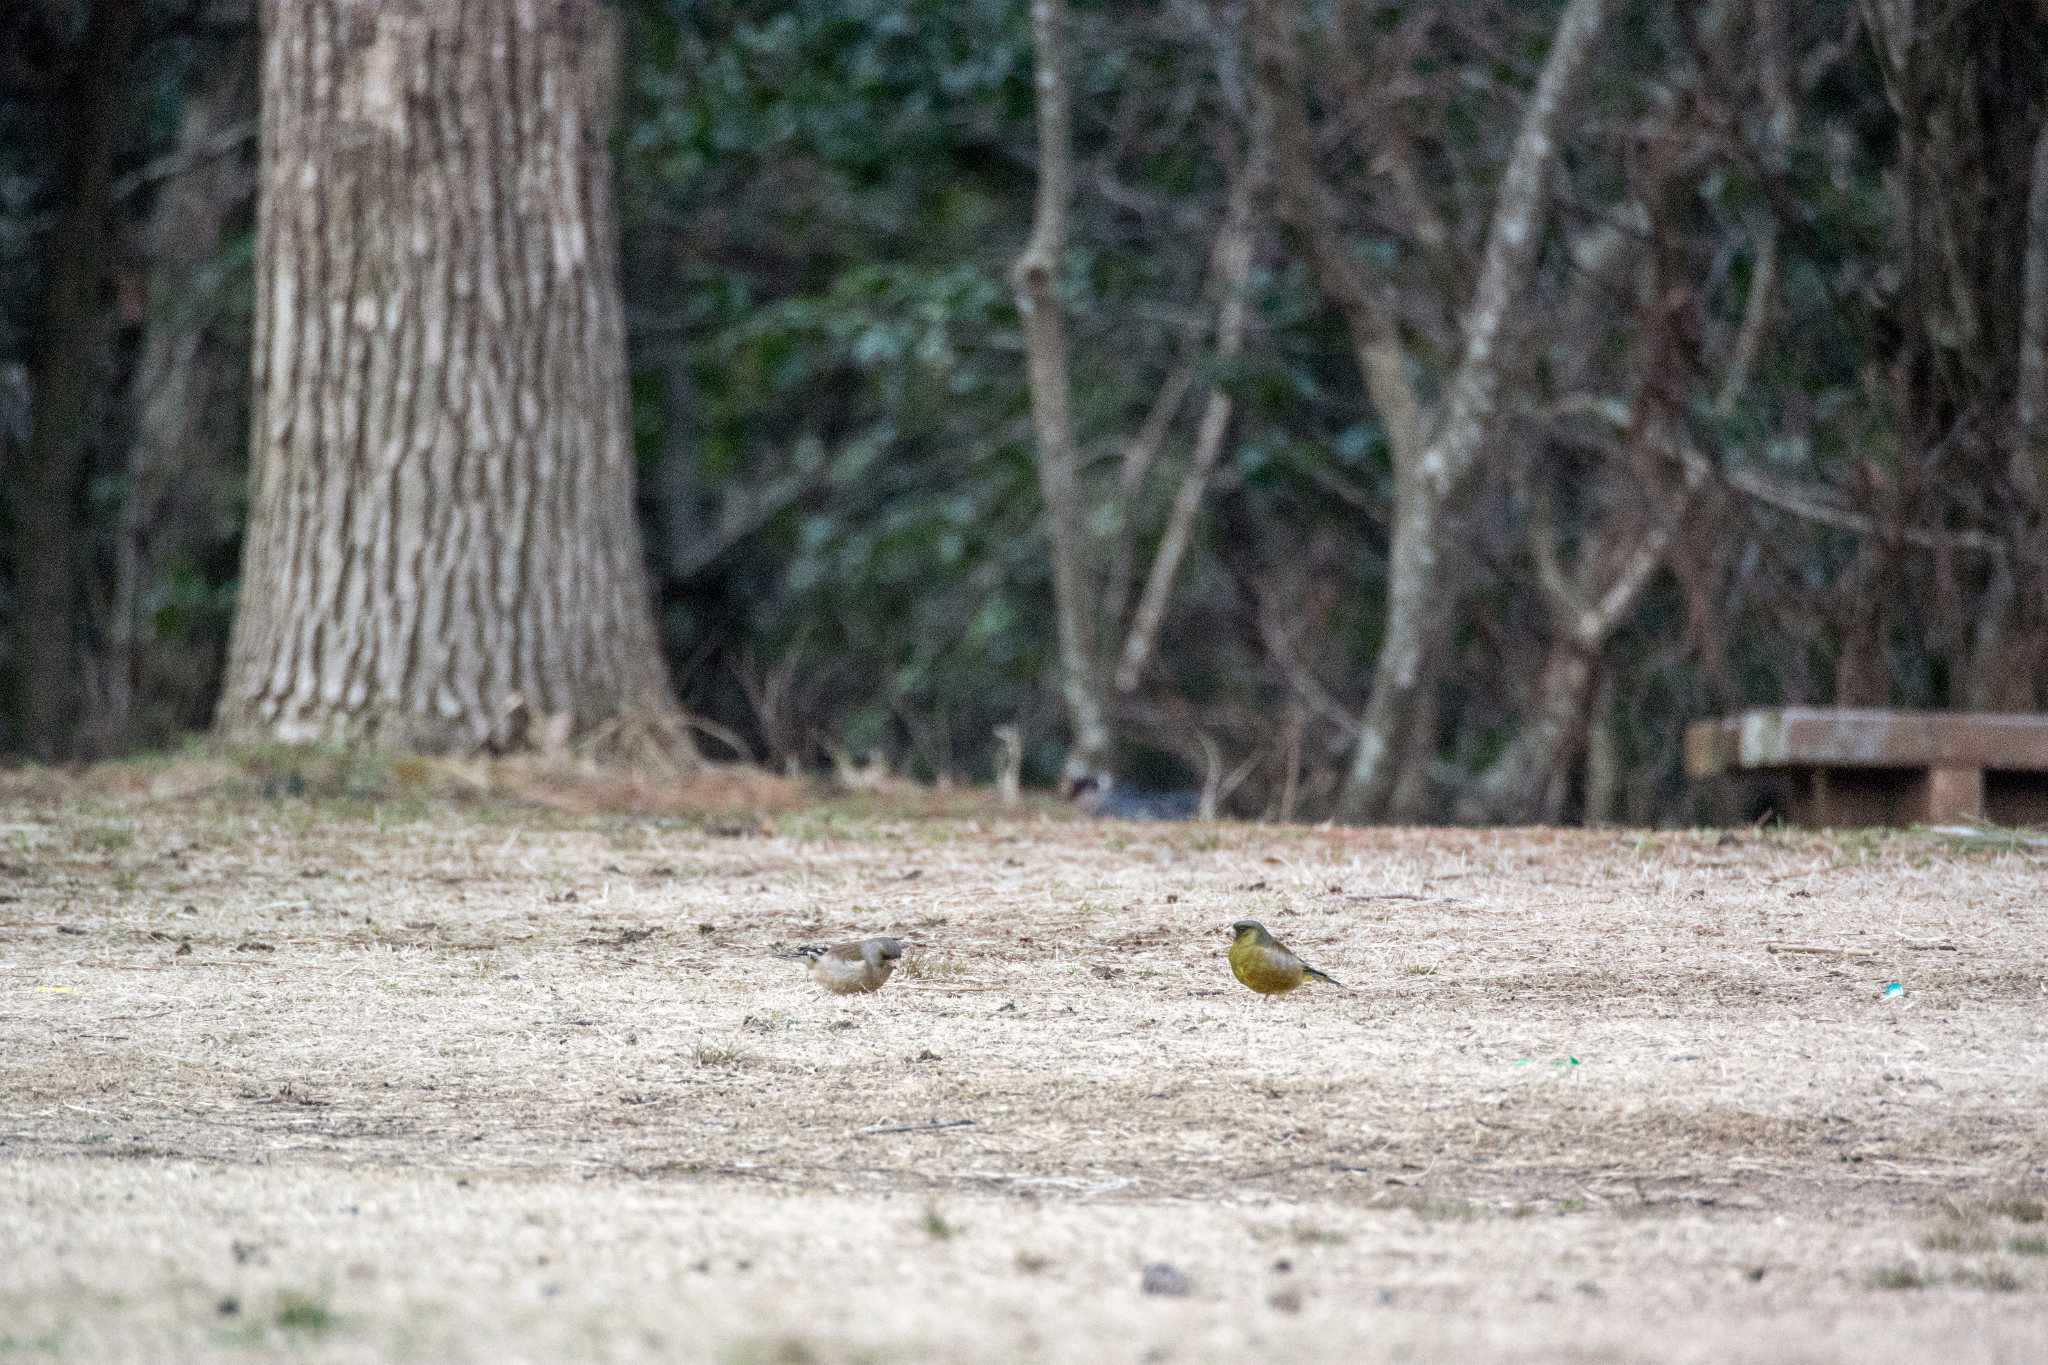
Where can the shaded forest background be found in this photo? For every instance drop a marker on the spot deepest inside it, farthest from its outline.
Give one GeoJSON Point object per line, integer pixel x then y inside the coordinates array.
{"type": "Point", "coordinates": [1768, 420]}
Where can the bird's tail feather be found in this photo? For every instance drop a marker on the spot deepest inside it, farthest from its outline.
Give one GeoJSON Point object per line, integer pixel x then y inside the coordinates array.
{"type": "Point", "coordinates": [1323, 976]}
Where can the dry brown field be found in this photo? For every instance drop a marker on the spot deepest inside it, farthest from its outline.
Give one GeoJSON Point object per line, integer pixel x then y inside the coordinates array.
{"type": "Point", "coordinates": [394, 1075]}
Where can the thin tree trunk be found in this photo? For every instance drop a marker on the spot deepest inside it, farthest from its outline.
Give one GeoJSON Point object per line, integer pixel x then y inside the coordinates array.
{"type": "Point", "coordinates": [1586, 605]}
{"type": "Point", "coordinates": [1605, 775]}
{"type": "Point", "coordinates": [1383, 365]}
{"type": "Point", "coordinates": [2007, 662]}
{"type": "Point", "coordinates": [1431, 473]}
{"type": "Point", "coordinates": [1417, 798]}
{"type": "Point", "coordinates": [1419, 594]}
{"type": "Point", "coordinates": [1619, 555]}
{"type": "Point", "coordinates": [1306, 204]}
{"type": "Point", "coordinates": [1410, 659]}
{"type": "Point", "coordinates": [1523, 786]}
{"type": "Point", "coordinates": [2031, 470]}
{"type": "Point", "coordinates": [1035, 280]}
{"type": "Point", "coordinates": [187, 402]}
{"type": "Point", "coordinates": [1234, 251]}
{"type": "Point", "coordinates": [442, 547]}
{"type": "Point", "coordinates": [1773, 44]}
{"type": "Point", "coordinates": [64, 368]}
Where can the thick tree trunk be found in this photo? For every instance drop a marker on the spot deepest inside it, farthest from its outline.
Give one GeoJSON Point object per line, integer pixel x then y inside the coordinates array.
{"type": "Point", "coordinates": [63, 378]}
{"type": "Point", "coordinates": [442, 542]}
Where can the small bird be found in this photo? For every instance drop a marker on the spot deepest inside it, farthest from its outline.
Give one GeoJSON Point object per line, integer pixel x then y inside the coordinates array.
{"type": "Point", "coordinates": [854, 968]}
{"type": "Point", "coordinates": [1265, 964]}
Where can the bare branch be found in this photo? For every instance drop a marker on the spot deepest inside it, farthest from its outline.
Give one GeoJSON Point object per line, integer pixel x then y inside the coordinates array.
{"type": "Point", "coordinates": [1588, 610]}
{"type": "Point", "coordinates": [1217, 785]}
{"type": "Point", "coordinates": [1305, 203]}
{"type": "Point", "coordinates": [1603, 261]}
{"type": "Point", "coordinates": [740, 517]}
{"type": "Point", "coordinates": [226, 142]}
{"type": "Point", "coordinates": [1302, 678]}
{"type": "Point", "coordinates": [1372, 98]}
{"type": "Point", "coordinates": [1807, 502]}
{"type": "Point", "coordinates": [1234, 251]}
{"type": "Point", "coordinates": [1605, 616]}
{"type": "Point", "coordinates": [1559, 591]}
{"type": "Point", "coordinates": [1508, 267]}
{"type": "Point", "coordinates": [1756, 317]}
{"type": "Point", "coordinates": [1827, 56]}
{"type": "Point", "coordinates": [1812, 505]}
{"type": "Point", "coordinates": [1775, 61]}
{"type": "Point", "coordinates": [1391, 742]}
{"type": "Point", "coordinates": [1141, 452]}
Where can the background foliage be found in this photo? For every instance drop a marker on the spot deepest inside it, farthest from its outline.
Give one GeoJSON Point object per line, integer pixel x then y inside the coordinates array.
{"type": "Point", "coordinates": [820, 207]}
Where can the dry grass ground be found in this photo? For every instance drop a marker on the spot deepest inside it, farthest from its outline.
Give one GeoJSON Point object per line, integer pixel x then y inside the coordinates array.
{"type": "Point", "coordinates": [399, 1077]}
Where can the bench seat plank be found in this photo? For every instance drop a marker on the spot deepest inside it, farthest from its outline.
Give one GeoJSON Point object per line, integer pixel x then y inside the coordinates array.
{"type": "Point", "coordinates": [1829, 737]}
{"type": "Point", "coordinates": [1883, 767]}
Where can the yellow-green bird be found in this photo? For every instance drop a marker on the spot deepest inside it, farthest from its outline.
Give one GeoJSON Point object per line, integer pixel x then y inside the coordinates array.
{"type": "Point", "coordinates": [1265, 964]}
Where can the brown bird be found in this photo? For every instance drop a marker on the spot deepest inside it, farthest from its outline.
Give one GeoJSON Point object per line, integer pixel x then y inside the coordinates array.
{"type": "Point", "coordinates": [1265, 964]}
{"type": "Point", "coordinates": [854, 968]}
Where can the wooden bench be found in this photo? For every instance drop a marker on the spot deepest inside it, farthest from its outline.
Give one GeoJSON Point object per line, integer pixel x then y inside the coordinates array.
{"type": "Point", "coordinates": [1881, 767]}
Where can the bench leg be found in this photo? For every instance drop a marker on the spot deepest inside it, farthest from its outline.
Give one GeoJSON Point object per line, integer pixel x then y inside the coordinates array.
{"type": "Point", "coordinates": [1955, 794]}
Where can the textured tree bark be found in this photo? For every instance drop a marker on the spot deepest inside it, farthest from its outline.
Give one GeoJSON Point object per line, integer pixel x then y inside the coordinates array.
{"type": "Point", "coordinates": [442, 544]}
{"type": "Point", "coordinates": [63, 378]}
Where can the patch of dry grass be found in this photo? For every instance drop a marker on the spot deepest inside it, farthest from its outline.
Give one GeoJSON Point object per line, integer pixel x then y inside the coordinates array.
{"type": "Point", "coordinates": [919, 965]}
{"type": "Point", "coordinates": [402, 1069]}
